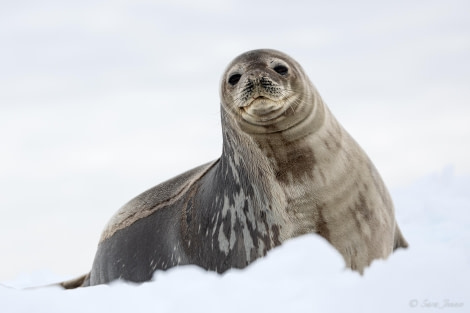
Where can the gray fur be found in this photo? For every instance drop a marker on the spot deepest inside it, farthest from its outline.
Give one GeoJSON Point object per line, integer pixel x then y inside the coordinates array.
{"type": "Point", "coordinates": [287, 168]}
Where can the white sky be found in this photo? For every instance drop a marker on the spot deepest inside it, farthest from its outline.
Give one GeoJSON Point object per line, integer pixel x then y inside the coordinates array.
{"type": "Point", "coordinates": [99, 100]}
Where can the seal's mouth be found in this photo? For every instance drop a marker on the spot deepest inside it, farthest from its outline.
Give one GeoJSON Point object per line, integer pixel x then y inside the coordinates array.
{"type": "Point", "coordinates": [262, 109]}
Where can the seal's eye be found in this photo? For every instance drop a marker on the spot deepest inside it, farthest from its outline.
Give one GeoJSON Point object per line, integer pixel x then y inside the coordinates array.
{"type": "Point", "coordinates": [281, 69]}
{"type": "Point", "coordinates": [233, 80]}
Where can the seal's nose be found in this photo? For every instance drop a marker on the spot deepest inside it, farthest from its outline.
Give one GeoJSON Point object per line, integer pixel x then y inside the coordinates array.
{"type": "Point", "coordinates": [259, 84]}
{"type": "Point", "coordinates": [255, 74]}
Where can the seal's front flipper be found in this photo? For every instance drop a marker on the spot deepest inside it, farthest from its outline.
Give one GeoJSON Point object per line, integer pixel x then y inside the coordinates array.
{"type": "Point", "coordinates": [400, 241]}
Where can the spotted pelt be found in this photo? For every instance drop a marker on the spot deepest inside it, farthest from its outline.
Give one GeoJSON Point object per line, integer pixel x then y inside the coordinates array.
{"type": "Point", "coordinates": [287, 168]}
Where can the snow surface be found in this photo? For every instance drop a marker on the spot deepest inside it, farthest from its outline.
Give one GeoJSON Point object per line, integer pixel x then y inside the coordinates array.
{"type": "Point", "coordinates": [303, 275]}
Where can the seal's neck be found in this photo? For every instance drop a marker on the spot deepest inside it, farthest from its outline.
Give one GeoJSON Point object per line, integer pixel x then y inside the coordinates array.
{"type": "Point", "coordinates": [292, 153]}
{"type": "Point", "coordinates": [275, 170]}
{"type": "Point", "coordinates": [246, 167]}
{"type": "Point", "coordinates": [242, 156]}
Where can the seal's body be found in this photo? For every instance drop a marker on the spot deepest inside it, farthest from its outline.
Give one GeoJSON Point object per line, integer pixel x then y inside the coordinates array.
{"type": "Point", "coordinates": [287, 168]}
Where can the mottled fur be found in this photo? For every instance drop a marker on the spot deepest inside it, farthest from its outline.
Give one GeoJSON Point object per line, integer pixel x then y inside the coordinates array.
{"type": "Point", "coordinates": [287, 168]}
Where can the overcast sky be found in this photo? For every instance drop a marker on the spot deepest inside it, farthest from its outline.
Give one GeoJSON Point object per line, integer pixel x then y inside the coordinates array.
{"type": "Point", "coordinates": [101, 100]}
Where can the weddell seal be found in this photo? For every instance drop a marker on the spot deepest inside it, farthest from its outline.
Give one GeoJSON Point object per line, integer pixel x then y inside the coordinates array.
{"type": "Point", "coordinates": [287, 168]}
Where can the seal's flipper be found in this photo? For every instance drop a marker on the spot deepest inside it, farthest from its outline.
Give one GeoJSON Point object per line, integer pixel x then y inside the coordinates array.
{"type": "Point", "coordinates": [76, 282]}
{"type": "Point", "coordinates": [400, 241]}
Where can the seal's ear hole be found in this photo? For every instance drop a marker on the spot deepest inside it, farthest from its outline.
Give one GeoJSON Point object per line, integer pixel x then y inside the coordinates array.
{"type": "Point", "coordinates": [234, 79]}
{"type": "Point", "coordinates": [281, 69]}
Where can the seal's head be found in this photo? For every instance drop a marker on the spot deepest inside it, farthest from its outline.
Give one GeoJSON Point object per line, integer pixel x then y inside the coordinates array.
{"type": "Point", "coordinates": [266, 91]}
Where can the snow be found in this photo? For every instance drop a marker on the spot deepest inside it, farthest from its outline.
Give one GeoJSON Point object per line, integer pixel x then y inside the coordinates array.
{"type": "Point", "coordinates": [304, 275]}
